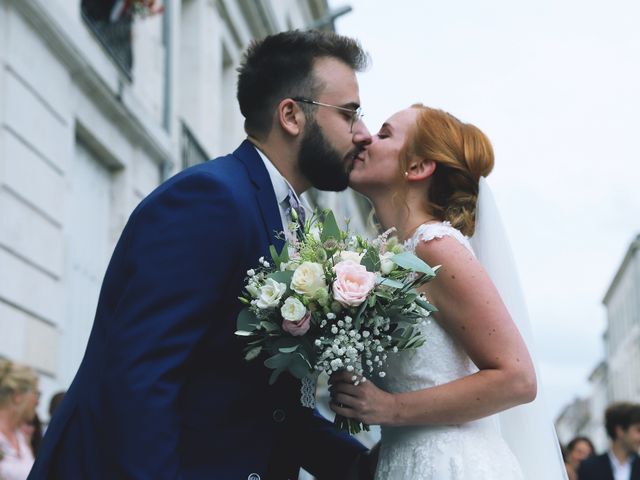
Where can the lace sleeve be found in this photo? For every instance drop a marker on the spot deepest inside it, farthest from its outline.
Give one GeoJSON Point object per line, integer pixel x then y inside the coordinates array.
{"type": "Point", "coordinates": [429, 231]}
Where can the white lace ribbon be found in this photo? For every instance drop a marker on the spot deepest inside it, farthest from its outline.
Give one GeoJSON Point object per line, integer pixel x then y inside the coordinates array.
{"type": "Point", "coordinates": [308, 390]}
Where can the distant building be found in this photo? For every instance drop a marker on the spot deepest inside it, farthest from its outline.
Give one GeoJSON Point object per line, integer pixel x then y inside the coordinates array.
{"type": "Point", "coordinates": [622, 343]}
{"type": "Point", "coordinates": [598, 401]}
{"type": "Point", "coordinates": [617, 378]}
{"type": "Point", "coordinates": [97, 107]}
{"type": "Point", "coordinates": [573, 420]}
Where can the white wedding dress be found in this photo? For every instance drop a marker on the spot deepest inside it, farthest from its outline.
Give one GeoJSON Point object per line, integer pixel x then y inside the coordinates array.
{"type": "Point", "coordinates": [470, 451]}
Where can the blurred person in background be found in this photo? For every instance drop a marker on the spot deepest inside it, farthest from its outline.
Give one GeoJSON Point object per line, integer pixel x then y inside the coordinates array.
{"type": "Point", "coordinates": [620, 462]}
{"type": "Point", "coordinates": [18, 400]}
{"type": "Point", "coordinates": [32, 430]}
{"type": "Point", "coordinates": [575, 452]}
{"type": "Point", "coordinates": [55, 401]}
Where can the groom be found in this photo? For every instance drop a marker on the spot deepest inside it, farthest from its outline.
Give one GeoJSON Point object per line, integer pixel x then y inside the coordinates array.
{"type": "Point", "coordinates": [163, 391]}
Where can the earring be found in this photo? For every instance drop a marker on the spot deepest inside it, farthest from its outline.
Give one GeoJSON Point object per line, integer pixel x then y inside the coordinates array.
{"type": "Point", "coordinates": [406, 174]}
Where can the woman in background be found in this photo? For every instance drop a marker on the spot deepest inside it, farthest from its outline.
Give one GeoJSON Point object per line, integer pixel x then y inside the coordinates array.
{"type": "Point", "coordinates": [18, 400]}
{"type": "Point", "coordinates": [577, 450]}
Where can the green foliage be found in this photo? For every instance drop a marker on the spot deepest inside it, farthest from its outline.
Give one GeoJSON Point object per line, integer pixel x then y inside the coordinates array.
{"type": "Point", "coordinates": [330, 229]}
{"type": "Point", "coordinates": [409, 261]}
{"type": "Point", "coordinates": [371, 260]}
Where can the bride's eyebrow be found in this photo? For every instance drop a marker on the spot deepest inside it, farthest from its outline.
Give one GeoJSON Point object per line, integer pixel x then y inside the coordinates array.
{"type": "Point", "coordinates": [387, 126]}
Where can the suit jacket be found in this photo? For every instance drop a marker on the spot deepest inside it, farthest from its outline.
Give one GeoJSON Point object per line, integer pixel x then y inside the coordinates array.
{"type": "Point", "coordinates": [600, 468]}
{"type": "Point", "coordinates": [163, 390]}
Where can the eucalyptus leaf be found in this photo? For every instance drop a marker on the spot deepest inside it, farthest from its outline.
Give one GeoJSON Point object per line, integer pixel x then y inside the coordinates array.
{"type": "Point", "coordinates": [358, 319]}
{"type": "Point", "coordinates": [286, 342]}
{"type": "Point", "coordinates": [252, 353]}
{"type": "Point", "coordinates": [371, 260]}
{"type": "Point", "coordinates": [242, 333]}
{"type": "Point", "coordinates": [388, 282]}
{"type": "Point", "coordinates": [274, 375]}
{"type": "Point", "coordinates": [299, 367]}
{"type": "Point", "coordinates": [279, 360]}
{"type": "Point", "coordinates": [409, 261]}
{"type": "Point", "coordinates": [330, 228]}
{"type": "Point", "coordinates": [288, 349]}
{"type": "Point", "coordinates": [246, 320]}
{"type": "Point", "coordinates": [282, 277]}
{"type": "Point", "coordinates": [284, 253]}
{"type": "Point", "coordinates": [269, 326]}
{"type": "Point", "coordinates": [274, 256]}
{"type": "Point", "coordinates": [426, 305]}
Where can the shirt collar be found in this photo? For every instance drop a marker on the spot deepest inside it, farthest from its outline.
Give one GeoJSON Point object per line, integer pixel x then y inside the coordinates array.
{"type": "Point", "coordinates": [616, 463]}
{"type": "Point", "coordinates": [281, 187]}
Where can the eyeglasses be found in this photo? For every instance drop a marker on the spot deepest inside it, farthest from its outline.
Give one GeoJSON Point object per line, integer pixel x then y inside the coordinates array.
{"type": "Point", "coordinates": [356, 113]}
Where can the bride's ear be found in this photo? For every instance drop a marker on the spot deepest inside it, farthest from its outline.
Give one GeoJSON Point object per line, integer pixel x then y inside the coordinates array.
{"type": "Point", "coordinates": [420, 169]}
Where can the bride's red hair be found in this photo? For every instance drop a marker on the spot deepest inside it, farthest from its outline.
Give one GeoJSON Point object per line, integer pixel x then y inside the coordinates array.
{"type": "Point", "coordinates": [462, 154]}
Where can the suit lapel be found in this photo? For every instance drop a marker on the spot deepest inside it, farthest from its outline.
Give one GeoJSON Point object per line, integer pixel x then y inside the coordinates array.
{"type": "Point", "coordinates": [265, 195]}
{"type": "Point", "coordinates": [635, 469]}
{"type": "Point", "coordinates": [607, 468]}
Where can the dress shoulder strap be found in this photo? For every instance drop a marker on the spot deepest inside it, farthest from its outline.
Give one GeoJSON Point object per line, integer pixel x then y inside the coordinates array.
{"type": "Point", "coordinates": [429, 231]}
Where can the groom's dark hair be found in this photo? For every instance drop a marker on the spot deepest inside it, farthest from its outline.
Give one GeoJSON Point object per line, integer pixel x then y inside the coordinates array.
{"type": "Point", "coordinates": [280, 66]}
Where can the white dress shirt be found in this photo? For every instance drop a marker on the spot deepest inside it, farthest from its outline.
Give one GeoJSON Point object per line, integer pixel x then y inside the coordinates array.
{"type": "Point", "coordinates": [281, 187]}
{"type": "Point", "coordinates": [621, 471]}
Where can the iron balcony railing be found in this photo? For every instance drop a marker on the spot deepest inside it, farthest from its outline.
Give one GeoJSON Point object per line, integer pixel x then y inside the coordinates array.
{"type": "Point", "coordinates": [112, 31]}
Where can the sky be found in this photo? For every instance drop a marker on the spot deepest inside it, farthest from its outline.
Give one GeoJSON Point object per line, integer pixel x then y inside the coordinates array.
{"type": "Point", "coordinates": [556, 87]}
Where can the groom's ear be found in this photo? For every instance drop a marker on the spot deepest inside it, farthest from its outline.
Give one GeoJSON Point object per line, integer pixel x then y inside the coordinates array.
{"type": "Point", "coordinates": [420, 169]}
{"type": "Point", "coordinates": [290, 117]}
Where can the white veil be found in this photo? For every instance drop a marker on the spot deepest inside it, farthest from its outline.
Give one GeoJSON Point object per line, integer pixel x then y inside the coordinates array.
{"type": "Point", "coordinates": [528, 429]}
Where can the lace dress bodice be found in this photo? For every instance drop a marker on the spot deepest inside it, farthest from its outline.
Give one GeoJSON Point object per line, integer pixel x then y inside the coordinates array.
{"type": "Point", "coordinates": [474, 450]}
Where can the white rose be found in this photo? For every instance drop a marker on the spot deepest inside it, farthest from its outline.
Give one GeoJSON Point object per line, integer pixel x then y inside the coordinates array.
{"type": "Point", "coordinates": [293, 310]}
{"type": "Point", "coordinates": [308, 278]}
{"type": "Point", "coordinates": [351, 256]}
{"type": "Point", "coordinates": [386, 265]}
{"type": "Point", "coordinates": [270, 294]}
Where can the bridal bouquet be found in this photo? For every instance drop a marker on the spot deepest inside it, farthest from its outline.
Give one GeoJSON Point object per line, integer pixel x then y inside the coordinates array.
{"type": "Point", "coordinates": [333, 301]}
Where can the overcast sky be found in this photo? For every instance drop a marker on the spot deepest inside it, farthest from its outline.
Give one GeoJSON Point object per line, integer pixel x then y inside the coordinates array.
{"type": "Point", "coordinates": [556, 87]}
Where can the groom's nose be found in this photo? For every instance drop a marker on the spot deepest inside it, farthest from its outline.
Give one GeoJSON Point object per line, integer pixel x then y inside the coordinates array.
{"type": "Point", "coordinates": [361, 135]}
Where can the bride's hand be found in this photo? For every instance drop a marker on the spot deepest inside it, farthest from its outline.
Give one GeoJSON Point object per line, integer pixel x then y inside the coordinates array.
{"type": "Point", "coordinates": [364, 402]}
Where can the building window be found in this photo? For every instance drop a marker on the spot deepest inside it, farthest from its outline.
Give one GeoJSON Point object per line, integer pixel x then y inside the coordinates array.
{"type": "Point", "coordinates": [192, 152]}
{"type": "Point", "coordinates": [111, 21]}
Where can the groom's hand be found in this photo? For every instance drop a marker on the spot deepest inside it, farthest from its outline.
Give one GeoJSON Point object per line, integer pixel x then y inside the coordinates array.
{"type": "Point", "coordinates": [364, 402]}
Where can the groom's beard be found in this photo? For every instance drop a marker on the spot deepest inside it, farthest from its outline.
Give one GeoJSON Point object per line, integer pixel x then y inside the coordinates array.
{"type": "Point", "coordinates": [323, 166]}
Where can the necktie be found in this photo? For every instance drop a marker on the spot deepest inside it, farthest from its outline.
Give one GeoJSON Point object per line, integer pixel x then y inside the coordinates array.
{"type": "Point", "coordinates": [294, 206]}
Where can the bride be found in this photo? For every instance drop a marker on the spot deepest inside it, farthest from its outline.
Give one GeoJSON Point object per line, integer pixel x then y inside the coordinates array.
{"type": "Point", "coordinates": [437, 405]}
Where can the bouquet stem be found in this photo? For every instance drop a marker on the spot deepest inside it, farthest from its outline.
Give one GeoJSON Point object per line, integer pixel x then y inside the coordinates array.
{"type": "Point", "coordinates": [350, 425]}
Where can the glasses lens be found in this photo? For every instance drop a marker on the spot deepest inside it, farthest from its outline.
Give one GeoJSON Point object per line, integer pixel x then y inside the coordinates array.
{"type": "Point", "coordinates": [357, 115]}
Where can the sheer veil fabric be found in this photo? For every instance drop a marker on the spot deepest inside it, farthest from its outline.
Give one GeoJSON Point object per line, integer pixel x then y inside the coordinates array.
{"type": "Point", "coordinates": [528, 429]}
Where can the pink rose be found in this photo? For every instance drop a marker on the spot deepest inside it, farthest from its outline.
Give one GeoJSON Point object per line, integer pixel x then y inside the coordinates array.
{"type": "Point", "coordinates": [297, 328]}
{"type": "Point", "coordinates": [353, 283]}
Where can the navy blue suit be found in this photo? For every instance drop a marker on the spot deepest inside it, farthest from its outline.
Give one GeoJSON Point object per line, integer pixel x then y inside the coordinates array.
{"type": "Point", "coordinates": [163, 391]}
{"type": "Point", "coordinates": [600, 468]}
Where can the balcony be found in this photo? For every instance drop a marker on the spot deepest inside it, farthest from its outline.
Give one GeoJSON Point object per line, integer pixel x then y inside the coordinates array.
{"type": "Point", "coordinates": [111, 25]}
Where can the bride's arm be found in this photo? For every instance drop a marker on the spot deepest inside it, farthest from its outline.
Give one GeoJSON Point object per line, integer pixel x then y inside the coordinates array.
{"type": "Point", "coordinates": [472, 312]}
